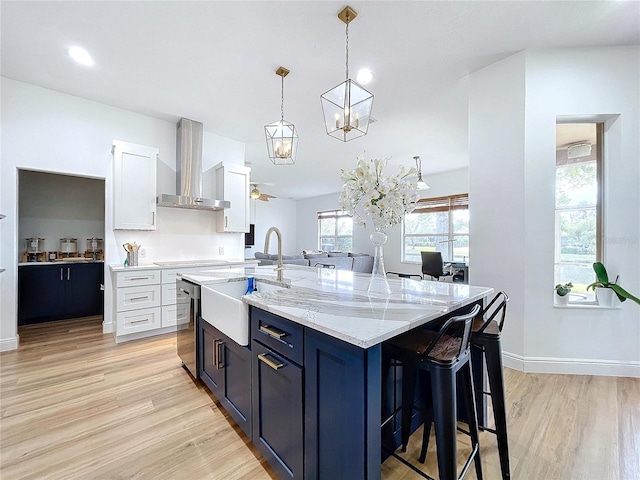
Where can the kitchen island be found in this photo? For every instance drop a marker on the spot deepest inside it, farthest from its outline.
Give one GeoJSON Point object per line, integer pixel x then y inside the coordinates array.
{"type": "Point", "coordinates": [313, 402]}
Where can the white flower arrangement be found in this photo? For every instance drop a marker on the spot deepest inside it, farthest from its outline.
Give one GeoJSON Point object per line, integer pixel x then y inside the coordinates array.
{"type": "Point", "coordinates": [385, 198]}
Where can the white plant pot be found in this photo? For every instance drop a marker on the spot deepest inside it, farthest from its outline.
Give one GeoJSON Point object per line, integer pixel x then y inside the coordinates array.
{"type": "Point", "coordinates": [607, 297]}
{"type": "Point", "coordinates": [562, 301]}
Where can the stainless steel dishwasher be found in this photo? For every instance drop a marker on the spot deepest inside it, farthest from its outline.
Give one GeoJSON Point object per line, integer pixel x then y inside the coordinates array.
{"type": "Point", "coordinates": [188, 296]}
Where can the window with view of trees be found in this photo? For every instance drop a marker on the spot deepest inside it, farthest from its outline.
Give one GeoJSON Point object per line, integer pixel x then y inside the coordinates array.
{"type": "Point", "coordinates": [578, 205]}
{"type": "Point", "coordinates": [437, 225]}
{"type": "Point", "coordinates": [335, 231]}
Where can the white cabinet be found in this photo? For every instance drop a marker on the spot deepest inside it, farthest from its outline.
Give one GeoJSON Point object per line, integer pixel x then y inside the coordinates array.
{"type": "Point", "coordinates": [175, 304]}
{"type": "Point", "coordinates": [147, 301]}
{"type": "Point", "coordinates": [138, 299]}
{"type": "Point", "coordinates": [232, 184]}
{"type": "Point", "coordinates": [134, 186]}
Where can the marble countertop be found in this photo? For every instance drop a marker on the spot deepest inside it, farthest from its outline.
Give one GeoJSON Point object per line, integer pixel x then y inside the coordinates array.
{"type": "Point", "coordinates": [185, 264]}
{"type": "Point", "coordinates": [336, 302]}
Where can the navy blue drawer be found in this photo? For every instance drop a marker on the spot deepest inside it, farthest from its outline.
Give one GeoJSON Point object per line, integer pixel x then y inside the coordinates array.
{"type": "Point", "coordinates": [283, 336]}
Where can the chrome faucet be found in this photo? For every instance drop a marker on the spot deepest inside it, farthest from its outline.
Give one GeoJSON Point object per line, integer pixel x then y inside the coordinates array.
{"type": "Point", "coordinates": [279, 267]}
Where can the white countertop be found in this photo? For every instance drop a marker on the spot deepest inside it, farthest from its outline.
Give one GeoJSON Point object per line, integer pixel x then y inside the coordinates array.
{"type": "Point", "coordinates": [185, 264]}
{"type": "Point", "coordinates": [336, 302]}
{"type": "Point", "coordinates": [60, 262]}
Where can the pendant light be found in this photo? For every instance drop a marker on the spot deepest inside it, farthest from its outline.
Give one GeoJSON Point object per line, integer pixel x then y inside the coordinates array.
{"type": "Point", "coordinates": [282, 138]}
{"type": "Point", "coordinates": [347, 107]}
{"type": "Point", "coordinates": [422, 185]}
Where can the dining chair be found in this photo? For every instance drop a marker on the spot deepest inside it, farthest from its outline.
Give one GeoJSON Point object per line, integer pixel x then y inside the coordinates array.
{"type": "Point", "coordinates": [432, 265]}
{"type": "Point", "coordinates": [406, 275]}
{"type": "Point", "coordinates": [325, 265]}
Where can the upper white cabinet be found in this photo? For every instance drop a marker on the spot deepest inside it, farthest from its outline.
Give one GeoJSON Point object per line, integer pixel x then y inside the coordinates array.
{"type": "Point", "coordinates": [232, 184]}
{"type": "Point", "coordinates": [134, 186]}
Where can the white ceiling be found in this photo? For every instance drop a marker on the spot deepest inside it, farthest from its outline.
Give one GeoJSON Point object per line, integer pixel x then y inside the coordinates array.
{"type": "Point", "coordinates": [215, 62]}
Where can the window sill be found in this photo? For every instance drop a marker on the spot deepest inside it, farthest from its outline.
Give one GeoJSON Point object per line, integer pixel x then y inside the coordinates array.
{"type": "Point", "coordinates": [587, 305]}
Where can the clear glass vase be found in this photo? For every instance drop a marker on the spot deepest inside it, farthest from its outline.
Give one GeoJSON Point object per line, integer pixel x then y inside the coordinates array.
{"type": "Point", "coordinates": [378, 283]}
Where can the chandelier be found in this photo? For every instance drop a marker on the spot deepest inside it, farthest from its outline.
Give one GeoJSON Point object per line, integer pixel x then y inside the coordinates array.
{"type": "Point", "coordinates": [282, 138]}
{"type": "Point", "coordinates": [347, 107]}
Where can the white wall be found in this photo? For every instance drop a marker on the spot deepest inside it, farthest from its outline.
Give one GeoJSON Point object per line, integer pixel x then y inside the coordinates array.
{"type": "Point", "coordinates": [496, 182]}
{"type": "Point", "coordinates": [514, 134]}
{"type": "Point", "coordinates": [58, 206]}
{"type": "Point", "coordinates": [48, 131]}
{"type": "Point", "coordinates": [444, 183]}
{"type": "Point", "coordinates": [277, 212]}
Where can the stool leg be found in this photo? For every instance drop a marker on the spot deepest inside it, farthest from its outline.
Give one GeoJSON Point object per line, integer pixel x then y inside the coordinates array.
{"type": "Point", "coordinates": [477, 361]}
{"type": "Point", "coordinates": [470, 404]}
{"type": "Point", "coordinates": [409, 374]}
{"type": "Point", "coordinates": [493, 352]}
{"type": "Point", "coordinates": [444, 416]}
{"type": "Point", "coordinates": [426, 432]}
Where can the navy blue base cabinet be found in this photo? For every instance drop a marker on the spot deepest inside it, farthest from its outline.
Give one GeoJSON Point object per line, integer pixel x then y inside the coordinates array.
{"type": "Point", "coordinates": [316, 402]}
{"type": "Point", "coordinates": [278, 392]}
{"type": "Point", "coordinates": [57, 292]}
{"type": "Point", "coordinates": [226, 370]}
{"type": "Point", "coordinates": [342, 409]}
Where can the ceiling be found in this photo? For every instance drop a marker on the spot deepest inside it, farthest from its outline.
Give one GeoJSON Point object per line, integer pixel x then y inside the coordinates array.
{"type": "Point", "coordinates": [215, 62]}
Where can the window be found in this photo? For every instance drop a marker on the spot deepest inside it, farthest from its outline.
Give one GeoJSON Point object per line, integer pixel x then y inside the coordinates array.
{"type": "Point", "coordinates": [335, 231]}
{"type": "Point", "coordinates": [437, 225]}
{"type": "Point", "coordinates": [578, 206]}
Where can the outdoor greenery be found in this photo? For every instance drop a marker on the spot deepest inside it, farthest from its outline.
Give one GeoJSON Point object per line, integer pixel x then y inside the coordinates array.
{"type": "Point", "coordinates": [430, 232]}
{"type": "Point", "coordinates": [576, 200]}
{"type": "Point", "coordinates": [336, 231]}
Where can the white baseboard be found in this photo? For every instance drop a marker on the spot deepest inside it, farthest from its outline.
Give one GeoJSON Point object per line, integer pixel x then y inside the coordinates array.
{"type": "Point", "coordinates": [7, 344]}
{"type": "Point", "coordinates": [573, 366]}
{"type": "Point", "coordinates": [148, 333]}
{"type": "Point", "coordinates": [107, 327]}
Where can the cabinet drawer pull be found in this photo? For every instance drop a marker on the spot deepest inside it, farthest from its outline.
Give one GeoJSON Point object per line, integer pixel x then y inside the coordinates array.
{"type": "Point", "coordinates": [263, 357]}
{"type": "Point", "coordinates": [139, 298]}
{"type": "Point", "coordinates": [139, 278]}
{"type": "Point", "coordinates": [272, 331]}
{"type": "Point", "coordinates": [61, 273]}
{"type": "Point", "coordinates": [139, 321]}
{"type": "Point", "coordinates": [68, 273]}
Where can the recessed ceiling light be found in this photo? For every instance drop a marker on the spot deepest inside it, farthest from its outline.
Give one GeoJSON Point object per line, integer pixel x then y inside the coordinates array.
{"type": "Point", "coordinates": [81, 56]}
{"type": "Point", "coordinates": [364, 76]}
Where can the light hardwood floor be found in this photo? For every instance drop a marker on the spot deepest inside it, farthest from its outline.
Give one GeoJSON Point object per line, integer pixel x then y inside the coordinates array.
{"type": "Point", "coordinates": [74, 405]}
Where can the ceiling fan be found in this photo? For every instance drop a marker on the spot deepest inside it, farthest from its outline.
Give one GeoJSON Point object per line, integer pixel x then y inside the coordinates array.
{"type": "Point", "coordinates": [256, 195]}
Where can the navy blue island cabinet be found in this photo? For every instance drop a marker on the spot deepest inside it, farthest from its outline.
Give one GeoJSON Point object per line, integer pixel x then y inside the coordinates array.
{"type": "Point", "coordinates": [226, 370]}
{"type": "Point", "coordinates": [316, 402]}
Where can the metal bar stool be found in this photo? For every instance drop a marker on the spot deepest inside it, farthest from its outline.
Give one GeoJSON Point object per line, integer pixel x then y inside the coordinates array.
{"type": "Point", "coordinates": [442, 354]}
{"type": "Point", "coordinates": [485, 335]}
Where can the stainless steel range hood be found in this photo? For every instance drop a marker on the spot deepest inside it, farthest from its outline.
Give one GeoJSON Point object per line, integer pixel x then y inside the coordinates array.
{"type": "Point", "coordinates": [189, 172]}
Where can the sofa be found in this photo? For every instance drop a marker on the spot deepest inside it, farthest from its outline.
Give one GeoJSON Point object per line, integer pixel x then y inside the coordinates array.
{"type": "Point", "coordinates": [356, 262]}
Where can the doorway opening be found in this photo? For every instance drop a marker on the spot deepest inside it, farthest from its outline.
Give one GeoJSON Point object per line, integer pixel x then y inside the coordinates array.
{"type": "Point", "coordinates": [61, 227]}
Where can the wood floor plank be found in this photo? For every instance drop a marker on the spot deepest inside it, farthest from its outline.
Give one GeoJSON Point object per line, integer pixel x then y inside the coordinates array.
{"type": "Point", "coordinates": [76, 405]}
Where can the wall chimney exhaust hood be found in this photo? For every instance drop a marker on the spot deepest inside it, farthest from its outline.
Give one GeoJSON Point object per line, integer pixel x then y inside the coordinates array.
{"type": "Point", "coordinates": [189, 172]}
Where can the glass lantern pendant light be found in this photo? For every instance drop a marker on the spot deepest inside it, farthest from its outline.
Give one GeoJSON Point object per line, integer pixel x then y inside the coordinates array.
{"type": "Point", "coordinates": [347, 107]}
{"type": "Point", "coordinates": [282, 138]}
{"type": "Point", "coordinates": [422, 185]}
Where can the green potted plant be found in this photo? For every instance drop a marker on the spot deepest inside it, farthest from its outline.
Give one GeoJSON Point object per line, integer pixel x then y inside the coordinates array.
{"type": "Point", "coordinates": [605, 290]}
{"type": "Point", "coordinates": [562, 293]}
